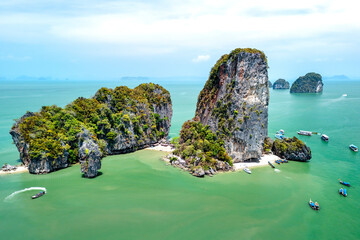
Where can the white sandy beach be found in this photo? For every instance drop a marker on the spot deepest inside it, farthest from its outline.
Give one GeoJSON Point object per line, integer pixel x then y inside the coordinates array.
{"type": "Point", "coordinates": [161, 148]}
{"type": "Point", "coordinates": [20, 169]}
{"type": "Point", "coordinates": [263, 162]}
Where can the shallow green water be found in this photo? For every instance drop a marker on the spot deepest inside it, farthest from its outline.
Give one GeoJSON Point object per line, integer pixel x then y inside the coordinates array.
{"type": "Point", "coordinates": [139, 197]}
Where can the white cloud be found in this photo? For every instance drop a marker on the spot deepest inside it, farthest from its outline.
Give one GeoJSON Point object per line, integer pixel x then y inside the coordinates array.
{"type": "Point", "coordinates": [201, 58]}
{"type": "Point", "coordinates": [152, 28]}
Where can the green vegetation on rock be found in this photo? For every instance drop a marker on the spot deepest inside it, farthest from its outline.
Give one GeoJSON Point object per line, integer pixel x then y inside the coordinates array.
{"type": "Point", "coordinates": [291, 149]}
{"type": "Point", "coordinates": [198, 141]}
{"type": "Point", "coordinates": [292, 144]}
{"type": "Point", "coordinates": [121, 112]}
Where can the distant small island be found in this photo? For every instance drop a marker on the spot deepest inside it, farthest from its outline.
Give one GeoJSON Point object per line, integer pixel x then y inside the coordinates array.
{"type": "Point", "coordinates": [270, 84]}
{"type": "Point", "coordinates": [310, 83]}
{"type": "Point", "coordinates": [281, 84]}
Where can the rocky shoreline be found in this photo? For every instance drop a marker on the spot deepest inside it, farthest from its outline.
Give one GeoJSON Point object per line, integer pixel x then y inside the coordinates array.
{"type": "Point", "coordinates": [178, 162]}
{"type": "Point", "coordinates": [194, 168]}
{"type": "Point", "coordinates": [13, 169]}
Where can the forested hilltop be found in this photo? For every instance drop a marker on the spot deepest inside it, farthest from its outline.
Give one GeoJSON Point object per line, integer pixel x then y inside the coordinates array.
{"type": "Point", "coordinates": [113, 121]}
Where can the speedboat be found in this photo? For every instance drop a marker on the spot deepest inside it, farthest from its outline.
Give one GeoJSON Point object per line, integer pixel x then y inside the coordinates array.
{"type": "Point", "coordinates": [353, 147]}
{"type": "Point", "coordinates": [344, 183]}
{"type": "Point", "coordinates": [247, 170]}
{"type": "Point", "coordinates": [305, 133]}
{"type": "Point", "coordinates": [314, 205]}
{"type": "Point", "coordinates": [38, 195]}
{"type": "Point", "coordinates": [271, 164]}
{"type": "Point", "coordinates": [343, 192]}
{"type": "Point", "coordinates": [325, 138]}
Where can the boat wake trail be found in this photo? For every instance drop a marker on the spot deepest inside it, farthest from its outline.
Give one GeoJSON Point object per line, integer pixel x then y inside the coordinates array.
{"type": "Point", "coordinates": [24, 190]}
{"type": "Point", "coordinates": [335, 100]}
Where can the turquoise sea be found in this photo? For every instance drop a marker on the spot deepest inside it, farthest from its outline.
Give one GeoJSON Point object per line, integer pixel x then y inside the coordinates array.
{"type": "Point", "coordinates": [139, 197]}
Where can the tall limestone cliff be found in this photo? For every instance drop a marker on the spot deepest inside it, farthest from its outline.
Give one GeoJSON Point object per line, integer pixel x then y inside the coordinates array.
{"type": "Point", "coordinates": [234, 103]}
{"type": "Point", "coordinates": [114, 121]}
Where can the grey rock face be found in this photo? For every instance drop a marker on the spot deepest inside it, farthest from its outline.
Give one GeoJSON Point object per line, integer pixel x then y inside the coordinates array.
{"type": "Point", "coordinates": [41, 164]}
{"type": "Point", "coordinates": [310, 83]}
{"type": "Point", "coordinates": [127, 140]}
{"type": "Point", "coordinates": [223, 166]}
{"type": "Point", "coordinates": [281, 84]}
{"type": "Point", "coordinates": [198, 172]}
{"type": "Point", "coordinates": [236, 105]}
{"type": "Point", "coordinates": [19, 141]}
{"type": "Point", "coordinates": [89, 154]}
{"type": "Point", "coordinates": [44, 164]}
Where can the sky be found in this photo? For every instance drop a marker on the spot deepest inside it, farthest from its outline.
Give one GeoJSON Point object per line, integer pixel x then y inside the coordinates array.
{"type": "Point", "coordinates": [106, 40]}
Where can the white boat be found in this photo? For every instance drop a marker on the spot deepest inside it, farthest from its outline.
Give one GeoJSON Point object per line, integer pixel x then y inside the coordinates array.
{"type": "Point", "coordinates": [325, 137]}
{"type": "Point", "coordinates": [247, 170]}
{"type": "Point", "coordinates": [281, 132]}
{"type": "Point", "coordinates": [353, 147]}
{"type": "Point", "coordinates": [305, 133]}
{"type": "Point", "coordinates": [279, 136]}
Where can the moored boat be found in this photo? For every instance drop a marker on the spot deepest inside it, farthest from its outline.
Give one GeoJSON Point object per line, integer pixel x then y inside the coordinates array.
{"type": "Point", "coordinates": [38, 195]}
{"type": "Point", "coordinates": [281, 132]}
{"type": "Point", "coordinates": [314, 205]}
{"type": "Point", "coordinates": [305, 133]}
{"type": "Point", "coordinates": [278, 161]}
{"type": "Point", "coordinates": [279, 136]}
{"type": "Point", "coordinates": [271, 164]}
{"type": "Point", "coordinates": [325, 138]}
{"type": "Point", "coordinates": [247, 170]}
{"type": "Point", "coordinates": [344, 183]}
{"type": "Point", "coordinates": [343, 192]}
{"type": "Point", "coordinates": [353, 147]}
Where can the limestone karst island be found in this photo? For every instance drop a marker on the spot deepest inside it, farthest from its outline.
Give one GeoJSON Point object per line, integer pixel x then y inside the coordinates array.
{"type": "Point", "coordinates": [114, 121]}
{"type": "Point", "coordinates": [179, 120]}
{"type": "Point", "coordinates": [230, 124]}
